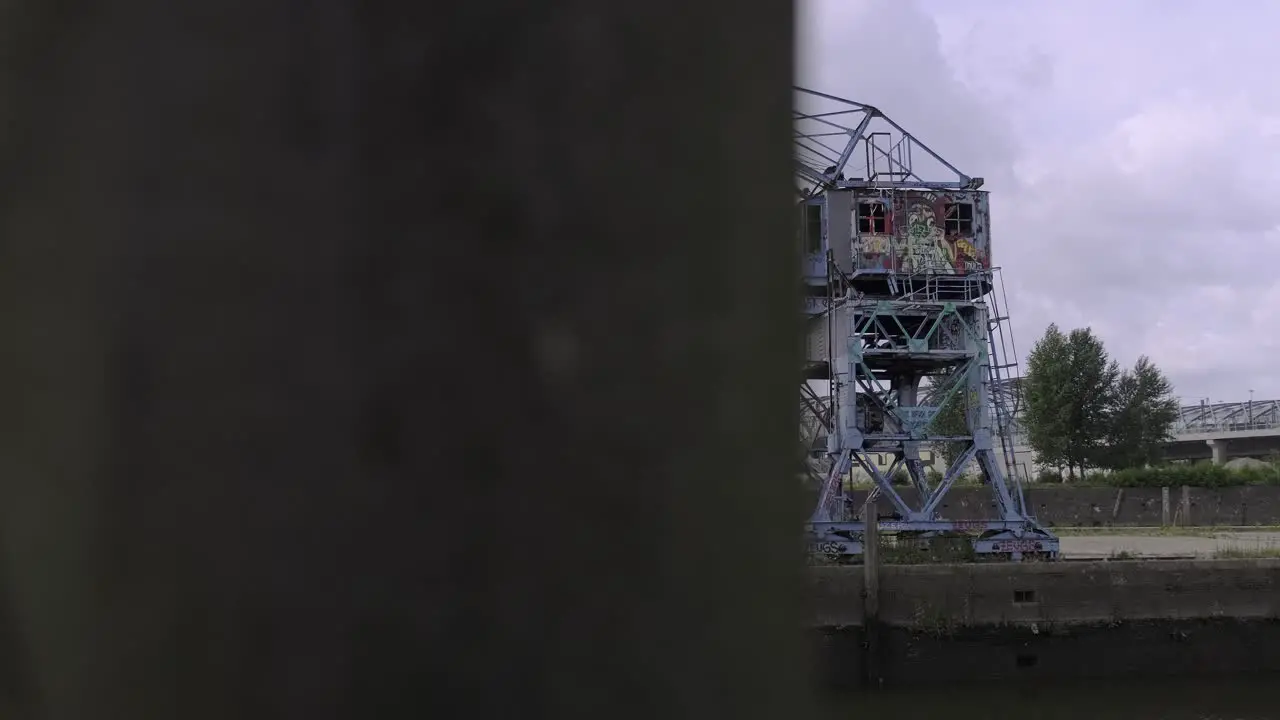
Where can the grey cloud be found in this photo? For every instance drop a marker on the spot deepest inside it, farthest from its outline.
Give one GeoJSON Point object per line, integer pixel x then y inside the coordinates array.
{"type": "Point", "coordinates": [887, 53]}
{"type": "Point", "coordinates": [1132, 184]}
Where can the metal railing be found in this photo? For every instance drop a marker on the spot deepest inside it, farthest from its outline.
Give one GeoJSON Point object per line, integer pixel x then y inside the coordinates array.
{"type": "Point", "coordinates": [1208, 417]}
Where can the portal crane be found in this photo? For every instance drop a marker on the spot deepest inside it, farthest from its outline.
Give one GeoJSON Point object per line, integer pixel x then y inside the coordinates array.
{"type": "Point", "coordinates": [903, 320]}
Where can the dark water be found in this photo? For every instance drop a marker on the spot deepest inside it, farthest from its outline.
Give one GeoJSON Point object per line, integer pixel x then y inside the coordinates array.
{"type": "Point", "coordinates": [1251, 698]}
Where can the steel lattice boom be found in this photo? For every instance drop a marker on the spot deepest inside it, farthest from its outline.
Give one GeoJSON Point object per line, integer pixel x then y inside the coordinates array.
{"type": "Point", "coordinates": [903, 317]}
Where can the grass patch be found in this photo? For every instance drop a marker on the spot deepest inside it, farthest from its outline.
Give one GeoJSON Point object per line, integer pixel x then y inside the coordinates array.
{"type": "Point", "coordinates": [1247, 552]}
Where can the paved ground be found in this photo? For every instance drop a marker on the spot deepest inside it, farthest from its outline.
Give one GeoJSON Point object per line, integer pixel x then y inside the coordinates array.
{"type": "Point", "coordinates": [1101, 546]}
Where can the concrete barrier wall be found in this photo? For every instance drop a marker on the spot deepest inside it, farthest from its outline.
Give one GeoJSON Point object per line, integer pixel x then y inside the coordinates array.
{"type": "Point", "coordinates": [945, 597]}
{"type": "Point", "coordinates": [1048, 620]}
{"type": "Point", "coordinates": [1059, 506]}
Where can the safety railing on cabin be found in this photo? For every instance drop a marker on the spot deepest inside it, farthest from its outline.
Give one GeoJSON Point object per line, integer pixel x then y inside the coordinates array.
{"type": "Point", "coordinates": [934, 286]}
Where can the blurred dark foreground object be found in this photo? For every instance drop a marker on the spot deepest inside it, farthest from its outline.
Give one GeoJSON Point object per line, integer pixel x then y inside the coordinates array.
{"type": "Point", "coordinates": [383, 360]}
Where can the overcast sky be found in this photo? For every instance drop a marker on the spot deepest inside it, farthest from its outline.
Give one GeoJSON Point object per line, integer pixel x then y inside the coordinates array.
{"type": "Point", "coordinates": [1132, 151]}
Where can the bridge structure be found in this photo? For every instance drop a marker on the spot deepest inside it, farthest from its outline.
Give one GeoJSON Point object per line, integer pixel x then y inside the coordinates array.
{"type": "Point", "coordinates": [1223, 431]}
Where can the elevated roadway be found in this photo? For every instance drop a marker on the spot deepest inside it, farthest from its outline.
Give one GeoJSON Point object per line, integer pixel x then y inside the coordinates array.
{"type": "Point", "coordinates": [1222, 431]}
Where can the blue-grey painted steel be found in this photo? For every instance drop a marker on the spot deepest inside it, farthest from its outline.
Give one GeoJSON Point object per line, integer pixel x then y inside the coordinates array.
{"type": "Point", "coordinates": [895, 342]}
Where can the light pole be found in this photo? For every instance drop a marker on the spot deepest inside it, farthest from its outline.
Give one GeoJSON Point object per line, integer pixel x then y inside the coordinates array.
{"type": "Point", "coordinates": [1249, 409]}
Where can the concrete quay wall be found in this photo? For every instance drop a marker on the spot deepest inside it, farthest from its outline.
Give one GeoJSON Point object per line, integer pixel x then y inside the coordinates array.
{"type": "Point", "coordinates": [1066, 506]}
{"type": "Point", "coordinates": [1003, 622]}
{"type": "Point", "coordinates": [940, 597]}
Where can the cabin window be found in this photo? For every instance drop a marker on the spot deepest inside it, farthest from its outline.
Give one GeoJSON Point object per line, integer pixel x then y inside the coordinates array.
{"type": "Point", "coordinates": [872, 219]}
{"type": "Point", "coordinates": [813, 229]}
{"type": "Point", "coordinates": [959, 219]}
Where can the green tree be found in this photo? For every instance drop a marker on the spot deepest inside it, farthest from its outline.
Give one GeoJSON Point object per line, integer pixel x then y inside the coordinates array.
{"type": "Point", "coordinates": [1093, 391]}
{"type": "Point", "coordinates": [951, 420]}
{"type": "Point", "coordinates": [1143, 415]}
{"type": "Point", "coordinates": [1070, 391]}
{"type": "Point", "coordinates": [1045, 398]}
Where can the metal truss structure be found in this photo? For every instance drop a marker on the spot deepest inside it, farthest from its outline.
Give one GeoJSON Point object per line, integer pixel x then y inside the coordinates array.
{"type": "Point", "coordinates": [1226, 417]}
{"type": "Point", "coordinates": [903, 318]}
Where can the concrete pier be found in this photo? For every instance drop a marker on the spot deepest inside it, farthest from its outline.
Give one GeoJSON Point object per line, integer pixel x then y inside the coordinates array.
{"type": "Point", "coordinates": [1218, 447]}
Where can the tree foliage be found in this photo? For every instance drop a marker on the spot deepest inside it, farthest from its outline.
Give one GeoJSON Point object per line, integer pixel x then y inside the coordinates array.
{"type": "Point", "coordinates": [1082, 412]}
{"type": "Point", "coordinates": [1094, 377]}
{"type": "Point", "coordinates": [1143, 415]}
{"type": "Point", "coordinates": [1046, 394]}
